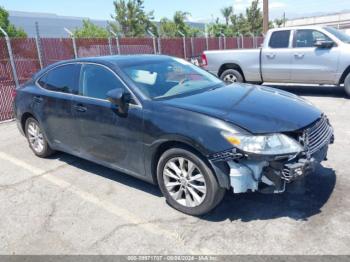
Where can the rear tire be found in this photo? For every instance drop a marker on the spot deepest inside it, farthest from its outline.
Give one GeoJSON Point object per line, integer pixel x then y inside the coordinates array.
{"type": "Point", "coordinates": [37, 139]}
{"type": "Point", "coordinates": [230, 76]}
{"type": "Point", "coordinates": [187, 183]}
{"type": "Point", "coordinates": [347, 85]}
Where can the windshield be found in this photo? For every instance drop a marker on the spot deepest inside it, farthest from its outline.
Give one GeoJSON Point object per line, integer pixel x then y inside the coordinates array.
{"type": "Point", "coordinates": [338, 34]}
{"type": "Point", "coordinates": [169, 77]}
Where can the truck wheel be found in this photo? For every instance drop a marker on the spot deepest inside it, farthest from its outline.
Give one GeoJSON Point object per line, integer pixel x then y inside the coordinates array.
{"type": "Point", "coordinates": [231, 76]}
{"type": "Point", "coordinates": [187, 182]}
{"type": "Point", "coordinates": [347, 85]}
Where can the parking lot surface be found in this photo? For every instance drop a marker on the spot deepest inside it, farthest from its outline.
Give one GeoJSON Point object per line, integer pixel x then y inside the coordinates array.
{"type": "Point", "coordinates": [65, 205]}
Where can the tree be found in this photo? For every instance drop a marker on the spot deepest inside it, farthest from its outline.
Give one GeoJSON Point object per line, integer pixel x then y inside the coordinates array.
{"type": "Point", "coordinates": [279, 22]}
{"type": "Point", "coordinates": [131, 18]}
{"type": "Point", "coordinates": [167, 27]}
{"type": "Point", "coordinates": [10, 29]}
{"type": "Point", "coordinates": [227, 12]}
{"type": "Point", "coordinates": [179, 20]}
{"type": "Point", "coordinates": [172, 28]}
{"type": "Point", "coordinates": [254, 18]}
{"type": "Point", "coordinates": [89, 29]}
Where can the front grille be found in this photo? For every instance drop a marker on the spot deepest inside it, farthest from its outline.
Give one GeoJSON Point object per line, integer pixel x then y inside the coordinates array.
{"type": "Point", "coordinates": [318, 135]}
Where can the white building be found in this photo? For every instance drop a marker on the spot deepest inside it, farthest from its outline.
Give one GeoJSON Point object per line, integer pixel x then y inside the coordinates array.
{"type": "Point", "coordinates": [338, 20]}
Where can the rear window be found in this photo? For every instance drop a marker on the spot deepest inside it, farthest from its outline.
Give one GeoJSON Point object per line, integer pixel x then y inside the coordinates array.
{"type": "Point", "coordinates": [64, 79]}
{"type": "Point", "coordinates": [279, 39]}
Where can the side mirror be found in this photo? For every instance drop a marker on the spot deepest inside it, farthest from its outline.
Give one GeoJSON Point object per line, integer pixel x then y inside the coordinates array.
{"type": "Point", "coordinates": [324, 44]}
{"type": "Point", "coordinates": [120, 98]}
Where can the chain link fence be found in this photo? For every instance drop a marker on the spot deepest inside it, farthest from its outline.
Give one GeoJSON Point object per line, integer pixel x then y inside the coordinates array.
{"type": "Point", "coordinates": [20, 58]}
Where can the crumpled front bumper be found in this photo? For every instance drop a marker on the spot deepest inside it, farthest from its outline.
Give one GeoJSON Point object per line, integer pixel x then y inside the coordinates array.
{"type": "Point", "coordinates": [271, 176]}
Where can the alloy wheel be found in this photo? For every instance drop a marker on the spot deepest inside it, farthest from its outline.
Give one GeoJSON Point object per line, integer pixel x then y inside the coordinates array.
{"type": "Point", "coordinates": [35, 137]}
{"type": "Point", "coordinates": [184, 182]}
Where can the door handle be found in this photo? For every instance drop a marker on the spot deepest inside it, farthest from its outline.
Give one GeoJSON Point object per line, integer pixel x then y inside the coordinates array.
{"type": "Point", "coordinates": [37, 99]}
{"type": "Point", "coordinates": [271, 55]}
{"type": "Point", "coordinates": [299, 55]}
{"type": "Point", "coordinates": [80, 108]}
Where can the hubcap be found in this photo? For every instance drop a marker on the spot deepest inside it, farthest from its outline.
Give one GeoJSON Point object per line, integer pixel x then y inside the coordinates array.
{"type": "Point", "coordinates": [184, 182]}
{"type": "Point", "coordinates": [230, 78]}
{"type": "Point", "coordinates": [36, 138]}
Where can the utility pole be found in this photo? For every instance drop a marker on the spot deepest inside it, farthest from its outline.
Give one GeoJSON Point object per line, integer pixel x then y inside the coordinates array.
{"type": "Point", "coordinates": [284, 19]}
{"type": "Point", "coordinates": [266, 16]}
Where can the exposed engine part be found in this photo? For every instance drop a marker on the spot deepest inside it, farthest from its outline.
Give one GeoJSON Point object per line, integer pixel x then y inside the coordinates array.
{"type": "Point", "coordinates": [272, 182]}
{"type": "Point", "coordinates": [293, 171]}
{"type": "Point", "coordinates": [245, 175]}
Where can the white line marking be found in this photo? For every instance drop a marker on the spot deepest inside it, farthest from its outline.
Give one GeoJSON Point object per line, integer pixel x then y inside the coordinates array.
{"type": "Point", "coordinates": [120, 212]}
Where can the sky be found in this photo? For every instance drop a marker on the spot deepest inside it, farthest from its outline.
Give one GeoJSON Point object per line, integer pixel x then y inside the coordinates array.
{"type": "Point", "coordinates": [201, 10]}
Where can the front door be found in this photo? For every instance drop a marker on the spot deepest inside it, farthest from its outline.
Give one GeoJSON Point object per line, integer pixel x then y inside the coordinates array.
{"type": "Point", "coordinates": [312, 64]}
{"type": "Point", "coordinates": [105, 135]}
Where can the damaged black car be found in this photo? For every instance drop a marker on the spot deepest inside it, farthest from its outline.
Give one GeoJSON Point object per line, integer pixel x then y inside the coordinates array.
{"type": "Point", "coordinates": [166, 121]}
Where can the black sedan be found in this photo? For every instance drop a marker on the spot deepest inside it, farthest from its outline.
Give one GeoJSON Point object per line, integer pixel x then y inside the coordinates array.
{"type": "Point", "coordinates": [171, 123]}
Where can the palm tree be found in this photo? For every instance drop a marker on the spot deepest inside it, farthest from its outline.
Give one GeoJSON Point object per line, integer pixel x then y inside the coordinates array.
{"type": "Point", "coordinates": [227, 12]}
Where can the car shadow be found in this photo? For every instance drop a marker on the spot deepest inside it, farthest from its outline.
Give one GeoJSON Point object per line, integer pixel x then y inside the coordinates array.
{"type": "Point", "coordinates": [307, 90]}
{"type": "Point", "coordinates": [110, 174]}
{"type": "Point", "coordinates": [294, 203]}
{"type": "Point", "coordinates": [297, 203]}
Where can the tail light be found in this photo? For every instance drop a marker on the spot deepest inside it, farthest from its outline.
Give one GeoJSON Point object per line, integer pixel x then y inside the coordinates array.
{"type": "Point", "coordinates": [204, 60]}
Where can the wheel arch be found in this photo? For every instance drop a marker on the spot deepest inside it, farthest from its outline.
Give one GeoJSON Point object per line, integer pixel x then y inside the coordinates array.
{"type": "Point", "coordinates": [222, 178]}
{"type": "Point", "coordinates": [234, 66]}
{"type": "Point", "coordinates": [24, 118]}
{"type": "Point", "coordinates": [344, 75]}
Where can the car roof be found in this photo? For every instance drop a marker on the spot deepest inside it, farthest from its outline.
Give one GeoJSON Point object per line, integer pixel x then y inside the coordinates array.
{"type": "Point", "coordinates": [113, 60]}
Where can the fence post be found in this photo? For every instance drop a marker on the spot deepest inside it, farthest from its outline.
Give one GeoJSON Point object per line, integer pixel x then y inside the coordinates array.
{"type": "Point", "coordinates": [110, 45]}
{"type": "Point", "coordinates": [117, 40]}
{"type": "Point", "coordinates": [154, 41]}
{"type": "Point", "coordinates": [224, 39]}
{"type": "Point", "coordinates": [183, 43]}
{"type": "Point", "coordinates": [12, 60]}
{"type": "Point", "coordinates": [159, 45]}
{"type": "Point", "coordinates": [207, 41]}
{"type": "Point", "coordinates": [74, 43]}
{"type": "Point", "coordinates": [192, 47]}
{"type": "Point", "coordinates": [242, 40]}
{"type": "Point", "coordinates": [252, 35]}
{"type": "Point", "coordinates": [38, 45]}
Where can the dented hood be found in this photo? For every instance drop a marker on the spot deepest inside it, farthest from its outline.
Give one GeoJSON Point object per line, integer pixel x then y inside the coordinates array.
{"type": "Point", "coordinates": [257, 109]}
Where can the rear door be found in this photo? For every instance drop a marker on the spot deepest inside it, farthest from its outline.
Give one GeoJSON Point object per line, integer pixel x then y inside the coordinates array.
{"type": "Point", "coordinates": [53, 105]}
{"type": "Point", "coordinates": [311, 64]}
{"type": "Point", "coordinates": [105, 135]}
{"type": "Point", "coordinates": [276, 57]}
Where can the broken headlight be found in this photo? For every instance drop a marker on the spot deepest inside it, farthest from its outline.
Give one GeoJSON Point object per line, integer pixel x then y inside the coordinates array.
{"type": "Point", "coordinates": [272, 144]}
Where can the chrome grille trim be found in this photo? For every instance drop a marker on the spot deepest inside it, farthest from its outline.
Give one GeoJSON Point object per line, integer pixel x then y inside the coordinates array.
{"type": "Point", "coordinates": [318, 135]}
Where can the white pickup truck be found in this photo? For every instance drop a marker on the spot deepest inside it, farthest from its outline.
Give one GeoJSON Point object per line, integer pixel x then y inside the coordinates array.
{"type": "Point", "coordinates": [308, 55]}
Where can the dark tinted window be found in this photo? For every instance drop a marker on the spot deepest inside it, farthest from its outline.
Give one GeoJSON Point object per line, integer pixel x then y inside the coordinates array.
{"type": "Point", "coordinates": [96, 81]}
{"type": "Point", "coordinates": [279, 39]}
{"type": "Point", "coordinates": [307, 38]}
{"type": "Point", "coordinates": [62, 79]}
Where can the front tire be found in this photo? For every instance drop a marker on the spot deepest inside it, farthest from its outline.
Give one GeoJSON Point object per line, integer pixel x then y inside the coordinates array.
{"type": "Point", "coordinates": [36, 138]}
{"type": "Point", "coordinates": [230, 76]}
{"type": "Point", "coordinates": [187, 183]}
{"type": "Point", "coordinates": [347, 85]}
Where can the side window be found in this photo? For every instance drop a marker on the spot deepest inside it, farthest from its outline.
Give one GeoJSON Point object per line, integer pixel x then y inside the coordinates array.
{"type": "Point", "coordinates": [96, 81]}
{"type": "Point", "coordinates": [279, 39]}
{"type": "Point", "coordinates": [307, 38]}
{"type": "Point", "coordinates": [63, 79]}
